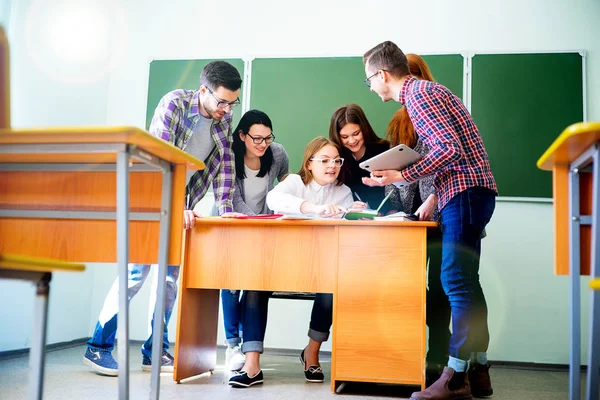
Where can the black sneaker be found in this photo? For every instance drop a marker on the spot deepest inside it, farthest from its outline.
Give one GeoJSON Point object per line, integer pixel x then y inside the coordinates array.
{"type": "Point", "coordinates": [243, 380]}
{"type": "Point", "coordinates": [313, 373]}
{"type": "Point", "coordinates": [167, 362]}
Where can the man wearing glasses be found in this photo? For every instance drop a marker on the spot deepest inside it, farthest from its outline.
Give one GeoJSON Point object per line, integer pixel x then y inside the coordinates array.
{"type": "Point", "coordinates": [198, 122]}
{"type": "Point", "coordinates": [467, 190]}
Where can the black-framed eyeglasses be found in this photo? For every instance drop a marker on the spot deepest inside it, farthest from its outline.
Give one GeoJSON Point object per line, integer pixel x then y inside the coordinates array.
{"type": "Point", "coordinates": [258, 140]}
{"type": "Point", "coordinates": [222, 103]}
{"type": "Point", "coordinates": [368, 80]}
{"type": "Point", "coordinates": [334, 162]}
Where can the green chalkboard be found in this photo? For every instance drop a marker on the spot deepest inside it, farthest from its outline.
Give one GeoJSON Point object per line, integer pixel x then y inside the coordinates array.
{"type": "Point", "coordinates": [521, 103]}
{"type": "Point", "coordinates": [167, 75]}
{"type": "Point", "coordinates": [300, 95]}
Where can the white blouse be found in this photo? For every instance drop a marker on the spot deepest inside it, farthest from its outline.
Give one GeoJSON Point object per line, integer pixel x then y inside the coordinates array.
{"type": "Point", "coordinates": [288, 196]}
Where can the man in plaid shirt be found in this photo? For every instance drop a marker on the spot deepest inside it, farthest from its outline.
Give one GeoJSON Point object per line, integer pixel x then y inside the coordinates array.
{"type": "Point", "coordinates": [200, 123]}
{"type": "Point", "coordinates": [466, 190]}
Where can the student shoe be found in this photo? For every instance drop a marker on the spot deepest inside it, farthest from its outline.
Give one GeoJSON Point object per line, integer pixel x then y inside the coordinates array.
{"type": "Point", "coordinates": [313, 373]}
{"type": "Point", "coordinates": [243, 380]}
{"type": "Point", "coordinates": [479, 376]}
{"type": "Point", "coordinates": [450, 386]}
{"type": "Point", "coordinates": [101, 361]}
{"type": "Point", "coordinates": [167, 362]}
{"type": "Point", "coordinates": [234, 359]}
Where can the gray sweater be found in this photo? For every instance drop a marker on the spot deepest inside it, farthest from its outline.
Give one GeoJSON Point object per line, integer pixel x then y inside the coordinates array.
{"type": "Point", "coordinates": [403, 198]}
{"type": "Point", "coordinates": [279, 169]}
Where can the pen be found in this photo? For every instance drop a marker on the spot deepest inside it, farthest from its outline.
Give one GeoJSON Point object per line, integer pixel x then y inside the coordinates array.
{"type": "Point", "coordinates": [358, 197]}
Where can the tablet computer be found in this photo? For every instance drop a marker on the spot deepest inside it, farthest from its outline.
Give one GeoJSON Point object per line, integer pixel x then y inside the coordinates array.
{"type": "Point", "coordinates": [396, 158]}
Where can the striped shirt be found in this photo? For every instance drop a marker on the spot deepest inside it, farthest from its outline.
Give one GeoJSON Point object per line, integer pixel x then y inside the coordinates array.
{"type": "Point", "coordinates": [457, 157]}
{"type": "Point", "coordinates": [174, 120]}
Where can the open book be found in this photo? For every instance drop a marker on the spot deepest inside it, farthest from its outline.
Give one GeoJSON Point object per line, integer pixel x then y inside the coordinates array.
{"type": "Point", "coordinates": [366, 213]}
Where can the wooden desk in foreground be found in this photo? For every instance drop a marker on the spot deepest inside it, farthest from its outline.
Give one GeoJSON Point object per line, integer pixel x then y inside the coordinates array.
{"type": "Point", "coordinates": [76, 194]}
{"type": "Point", "coordinates": [375, 270]}
{"type": "Point", "coordinates": [574, 159]}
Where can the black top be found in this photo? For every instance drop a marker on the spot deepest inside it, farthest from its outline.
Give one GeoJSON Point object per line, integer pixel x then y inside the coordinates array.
{"type": "Point", "coordinates": [353, 175]}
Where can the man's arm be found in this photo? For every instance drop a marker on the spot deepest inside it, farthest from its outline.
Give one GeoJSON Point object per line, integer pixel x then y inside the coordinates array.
{"type": "Point", "coordinates": [224, 181]}
{"type": "Point", "coordinates": [165, 120]}
{"type": "Point", "coordinates": [434, 123]}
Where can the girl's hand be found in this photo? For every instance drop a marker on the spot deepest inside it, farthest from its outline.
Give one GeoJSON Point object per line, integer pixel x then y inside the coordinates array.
{"type": "Point", "coordinates": [358, 205]}
{"type": "Point", "coordinates": [329, 210]}
{"type": "Point", "coordinates": [425, 211]}
{"type": "Point", "coordinates": [232, 215]}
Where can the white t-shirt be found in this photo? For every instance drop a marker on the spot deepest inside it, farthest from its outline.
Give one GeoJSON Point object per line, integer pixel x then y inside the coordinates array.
{"type": "Point", "coordinates": [255, 189]}
{"type": "Point", "coordinates": [288, 196]}
{"type": "Point", "coordinates": [200, 143]}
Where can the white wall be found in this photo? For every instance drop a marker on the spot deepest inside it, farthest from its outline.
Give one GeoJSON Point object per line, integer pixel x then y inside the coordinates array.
{"type": "Point", "coordinates": [528, 304]}
{"type": "Point", "coordinates": [61, 51]}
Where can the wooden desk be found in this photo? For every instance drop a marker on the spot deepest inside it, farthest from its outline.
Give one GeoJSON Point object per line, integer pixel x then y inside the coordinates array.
{"type": "Point", "coordinates": [375, 270]}
{"type": "Point", "coordinates": [574, 159]}
{"type": "Point", "coordinates": [63, 189]}
{"type": "Point", "coordinates": [39, 272]}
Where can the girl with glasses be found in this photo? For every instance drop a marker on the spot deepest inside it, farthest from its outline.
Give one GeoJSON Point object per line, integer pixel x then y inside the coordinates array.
{"type": "Point", "coordinates": [317, 189]}
{"type": "Point", "coordinates": [258, 163]}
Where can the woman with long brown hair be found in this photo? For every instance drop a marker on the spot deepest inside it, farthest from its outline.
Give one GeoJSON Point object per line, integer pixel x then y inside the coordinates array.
{"type": "Point", "coordinates": [351, 131]}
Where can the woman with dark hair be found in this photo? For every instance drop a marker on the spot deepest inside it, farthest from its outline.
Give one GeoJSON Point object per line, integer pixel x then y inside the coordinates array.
{"type": "Point", "coordinates": [258, 162]}
{"type": "Point", "coordinates": [352, 132]}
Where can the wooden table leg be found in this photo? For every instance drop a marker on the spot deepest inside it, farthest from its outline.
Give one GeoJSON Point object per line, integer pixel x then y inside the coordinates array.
{"type": "Point", "coordinates": [196, 345]}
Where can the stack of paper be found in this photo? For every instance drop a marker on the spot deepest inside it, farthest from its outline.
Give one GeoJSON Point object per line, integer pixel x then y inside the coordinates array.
{"type": "Point", "coordinates": [399, 216]}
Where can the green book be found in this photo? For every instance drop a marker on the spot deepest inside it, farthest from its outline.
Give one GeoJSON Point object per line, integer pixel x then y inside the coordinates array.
{"type": "Point", "coordinates": [366, 213]}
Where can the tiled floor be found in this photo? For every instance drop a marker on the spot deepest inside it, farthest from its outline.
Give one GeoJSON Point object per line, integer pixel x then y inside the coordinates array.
{"type": "Point", "coordinates": [68, 378]}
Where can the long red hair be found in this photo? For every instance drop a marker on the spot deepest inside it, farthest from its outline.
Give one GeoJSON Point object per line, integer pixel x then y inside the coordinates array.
{"type": "Point", "coordinates": [400, 129]}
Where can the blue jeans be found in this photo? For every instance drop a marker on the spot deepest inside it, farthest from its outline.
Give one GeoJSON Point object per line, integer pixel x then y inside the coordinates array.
{"type": "Point", "coordinates": [462, 222]}
{"type": "Point", "coordinates": [256, 305]}
{"type": "Point", "coordinates": [438, 307]}
{"type": "Point", "coordinates": [232, 316]}
{"type": "Point", "coordinates": [106, 327]}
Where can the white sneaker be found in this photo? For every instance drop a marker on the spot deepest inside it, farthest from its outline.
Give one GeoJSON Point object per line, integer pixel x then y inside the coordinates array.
{"type": "Point", "coordinates": [234, 358]}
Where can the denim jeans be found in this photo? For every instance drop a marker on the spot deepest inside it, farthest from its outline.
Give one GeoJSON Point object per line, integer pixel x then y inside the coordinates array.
{"type": "Point", "coordinates": [106, 327]}
{"type": "Point", "coordinates": [232, 316]}
{"type": "Point", "coordinates": [438, 307]}
{"type": "Point", "coordinates": [256, 305]}
{"type": "Point", "coordinates": [462, 222]}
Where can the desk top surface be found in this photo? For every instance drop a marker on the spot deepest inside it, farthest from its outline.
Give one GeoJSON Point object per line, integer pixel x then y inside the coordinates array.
{"type": "Point", "coordinates": [310, 222]}
{"type": "Point", "coordinates": [34, 264]}
{"type": "Point", "coordinates": [571, 143]}
{"type": "Point", "coordinates": [90, 135]}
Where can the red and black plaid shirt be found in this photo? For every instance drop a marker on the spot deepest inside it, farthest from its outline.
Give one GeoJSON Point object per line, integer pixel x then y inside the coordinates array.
{"type": "Point", "coordinates": [457, 157]}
